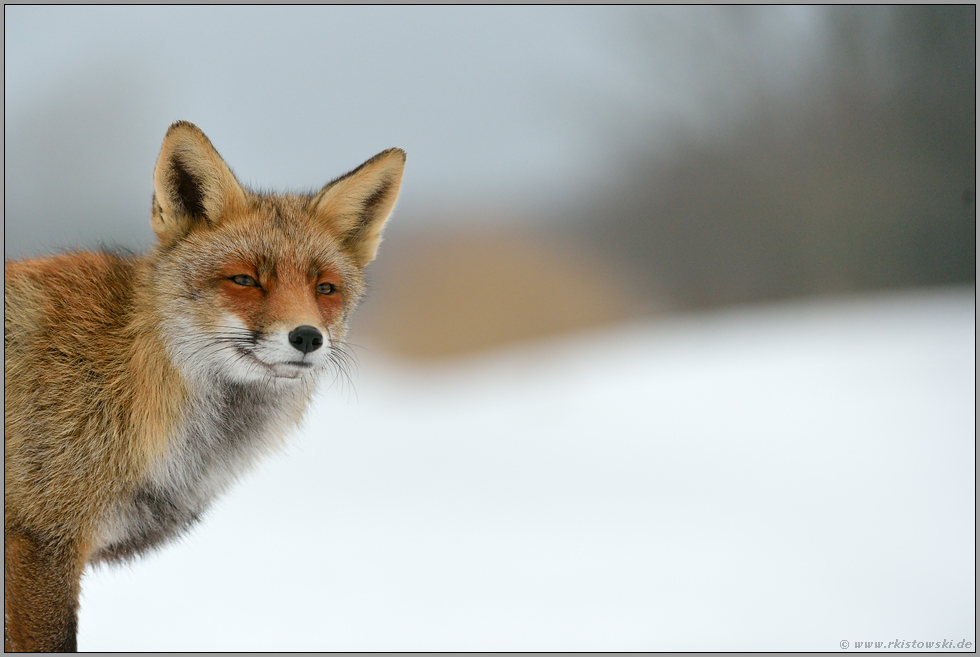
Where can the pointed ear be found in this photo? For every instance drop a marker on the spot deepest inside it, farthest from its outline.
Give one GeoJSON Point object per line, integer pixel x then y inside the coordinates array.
{"type": "Point", "coordinates": [191, 184]}
{"type": "Point", "coordinates": [357, 204]}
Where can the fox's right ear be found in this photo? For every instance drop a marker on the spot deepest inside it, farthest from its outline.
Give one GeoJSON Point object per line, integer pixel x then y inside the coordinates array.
{"type": "Point", "coordinates": [192, 185]}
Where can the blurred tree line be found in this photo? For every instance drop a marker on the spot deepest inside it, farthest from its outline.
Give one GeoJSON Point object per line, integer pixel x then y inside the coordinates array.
{"type": "Point", "coordinates": [863, 180]}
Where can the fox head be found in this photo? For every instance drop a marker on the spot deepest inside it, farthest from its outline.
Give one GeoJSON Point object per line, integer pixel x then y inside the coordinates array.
{"type": "Point", "coordinates": [260, 287]}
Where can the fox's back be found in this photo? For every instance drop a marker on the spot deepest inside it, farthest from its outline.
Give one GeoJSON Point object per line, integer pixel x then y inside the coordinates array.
{"type": "Point", "coordinates": [84, 298]}
{"type": "Point", "coordinates": [65, 318]}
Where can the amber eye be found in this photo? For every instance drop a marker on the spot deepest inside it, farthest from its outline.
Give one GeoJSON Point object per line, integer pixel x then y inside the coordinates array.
{"type": "Point", "coordinates": [325, 288]}
{"type": "Point", "coordinates": [244, 280]}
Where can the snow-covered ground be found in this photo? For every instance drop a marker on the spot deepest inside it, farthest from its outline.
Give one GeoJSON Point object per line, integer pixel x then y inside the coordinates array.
{"type": "Point", "coordinates": [777, 478]}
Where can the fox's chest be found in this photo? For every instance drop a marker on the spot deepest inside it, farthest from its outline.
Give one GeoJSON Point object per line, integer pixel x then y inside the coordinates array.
{"type": "Point", "coordinates": [219, 439]}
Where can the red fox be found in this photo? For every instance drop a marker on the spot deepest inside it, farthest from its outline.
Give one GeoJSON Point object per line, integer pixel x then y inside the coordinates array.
{"type": "Point", "coordinates": [137, 388]}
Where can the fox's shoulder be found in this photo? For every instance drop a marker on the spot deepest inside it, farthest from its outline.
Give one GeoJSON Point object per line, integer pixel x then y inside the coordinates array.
{"type": "Point", "coordinates": [90, 264]}
{"type": "Point", "coordinates": [110, 273]}
{"type": "Point", "coordinates": [89, 291]}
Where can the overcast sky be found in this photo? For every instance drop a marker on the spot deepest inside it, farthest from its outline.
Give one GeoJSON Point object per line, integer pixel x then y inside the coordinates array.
{"type": "Point", "coordinates": [501, 106]}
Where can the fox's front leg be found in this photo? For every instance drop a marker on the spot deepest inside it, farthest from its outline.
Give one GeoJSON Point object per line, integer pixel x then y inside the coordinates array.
{"type": "Point", "coordinates": [40, 593]}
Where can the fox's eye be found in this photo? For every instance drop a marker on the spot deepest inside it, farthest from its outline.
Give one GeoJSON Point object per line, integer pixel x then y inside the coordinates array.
{"type": "Point", "coordinates": [325, 288]}
{"type": "Point", "coordinates": [247, 281]}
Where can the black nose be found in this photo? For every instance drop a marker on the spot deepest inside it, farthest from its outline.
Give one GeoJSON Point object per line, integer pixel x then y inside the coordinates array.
{"type": "Point", "coordinates": [306, 338]}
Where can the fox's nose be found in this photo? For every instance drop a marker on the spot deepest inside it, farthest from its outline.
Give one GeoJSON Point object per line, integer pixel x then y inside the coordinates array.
{"type": "Point", "coordinates": [306, 338]}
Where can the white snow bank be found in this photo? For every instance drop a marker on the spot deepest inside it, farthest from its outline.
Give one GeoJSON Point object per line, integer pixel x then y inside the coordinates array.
{"type": "Point", "coordinates": [778, 478]}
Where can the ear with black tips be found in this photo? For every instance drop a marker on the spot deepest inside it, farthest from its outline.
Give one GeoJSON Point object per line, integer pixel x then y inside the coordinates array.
{"type": "Point", "coordinates": [192, 185]}
{"type": "Point", "coordinates": [357, 205]}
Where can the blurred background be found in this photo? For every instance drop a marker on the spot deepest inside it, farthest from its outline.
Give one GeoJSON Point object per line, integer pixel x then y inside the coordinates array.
{"type": "Point", "coordinates": [740, 175]}
{"type": "Point", "coordinates": [645, 160]}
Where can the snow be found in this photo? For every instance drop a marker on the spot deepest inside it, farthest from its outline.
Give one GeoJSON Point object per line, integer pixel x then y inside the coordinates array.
{"type": "Point", "coordinates": [773, 478]}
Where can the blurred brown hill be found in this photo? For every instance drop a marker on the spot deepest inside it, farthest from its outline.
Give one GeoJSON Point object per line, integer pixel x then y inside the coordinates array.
{"type": "Point", "coordinates": [849, 185]}
{"type": "Point", "coordinates": [440, 293]}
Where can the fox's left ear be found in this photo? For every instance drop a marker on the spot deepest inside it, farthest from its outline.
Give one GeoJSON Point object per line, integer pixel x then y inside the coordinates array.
{"type": "Point", "coordinates": [357, 204]}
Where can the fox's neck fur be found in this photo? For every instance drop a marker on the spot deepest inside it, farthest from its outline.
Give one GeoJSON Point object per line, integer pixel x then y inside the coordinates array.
{"type": "Point", "coordinates": [209, 432]}
{"type": "Point", "coordinates": [219, 430]}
